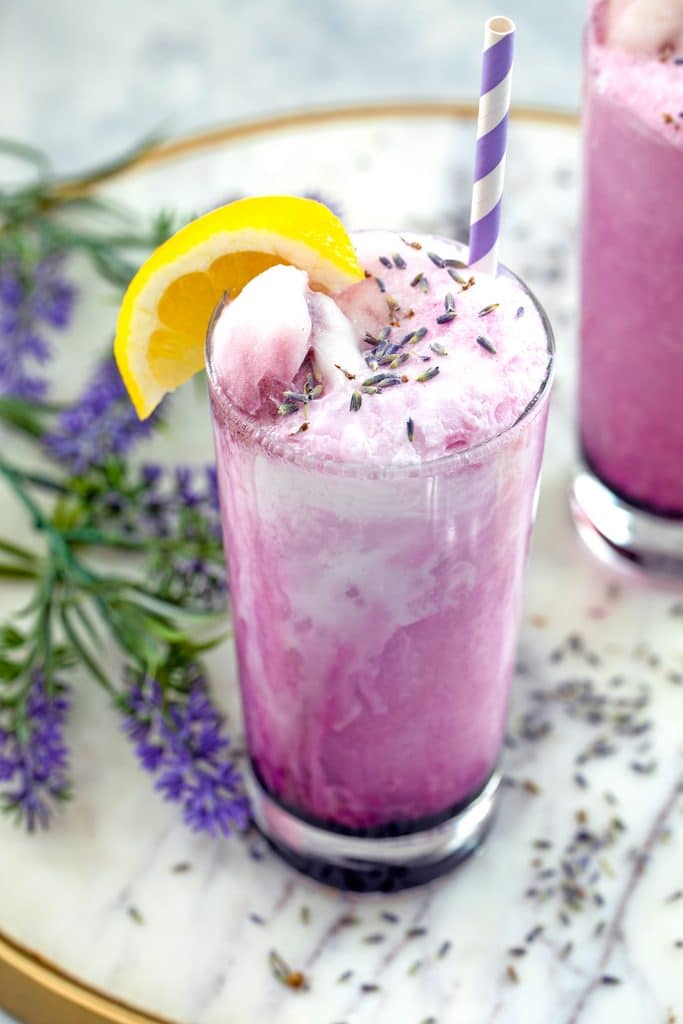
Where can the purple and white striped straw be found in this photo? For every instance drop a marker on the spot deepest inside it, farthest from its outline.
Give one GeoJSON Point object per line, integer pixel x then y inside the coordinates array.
{"type": "Point", "coordinates": [492, 131]}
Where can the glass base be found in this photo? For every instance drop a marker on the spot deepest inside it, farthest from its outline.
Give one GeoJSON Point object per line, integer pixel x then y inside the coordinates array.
{"type": "Point", "coordinates": [360, 862]}
{"type": "Point", "coordinates": [613, 529]}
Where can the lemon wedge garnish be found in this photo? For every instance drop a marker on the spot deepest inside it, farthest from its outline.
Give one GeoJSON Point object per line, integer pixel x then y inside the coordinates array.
{"type": "Point", "coordinates": [166, 310]}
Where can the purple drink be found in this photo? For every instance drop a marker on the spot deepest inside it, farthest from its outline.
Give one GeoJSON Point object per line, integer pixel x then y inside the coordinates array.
{"type": "Point", "coordinates": [631, 385]}
{"type": "Point", "coordinates": [376, 556]}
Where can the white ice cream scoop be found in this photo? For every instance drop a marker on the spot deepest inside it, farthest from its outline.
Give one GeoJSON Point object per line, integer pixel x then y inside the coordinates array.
{"type": "Point", "coordinates": [265, 334]}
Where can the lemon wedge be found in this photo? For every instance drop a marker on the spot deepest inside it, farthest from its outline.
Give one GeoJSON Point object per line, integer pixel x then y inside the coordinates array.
{"type": "Point", "coordinates": [167, 307]}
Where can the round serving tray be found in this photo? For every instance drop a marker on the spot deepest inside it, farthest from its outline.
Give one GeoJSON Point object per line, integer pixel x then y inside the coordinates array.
{"type": "Point", "coordinates": [96, 925]}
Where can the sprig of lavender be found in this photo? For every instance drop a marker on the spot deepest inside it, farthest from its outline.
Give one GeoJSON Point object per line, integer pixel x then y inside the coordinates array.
{"type": "Point", "coordinates": [34, 760]}
{"type": "Point", "coordinates": [148, 627]}
{"type": "Point", "coordinates": [178, 738]}
{"type": "Point", "coordinates": [34, 294]}
{"type": "Point", "coordinates": [92, 499]}
{"type": "Point", "coordinates": [100, 424]}
{"type": "Point", "coordinates": [173, 517]}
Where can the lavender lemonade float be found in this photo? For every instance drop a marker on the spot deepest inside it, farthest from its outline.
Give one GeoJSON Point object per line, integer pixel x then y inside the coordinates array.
{"type": "Point", "coordinates": [379, 406]}
{"type": "Point", "coordinates": [629, 491]}
{"type": "Point", "coordinates": [378, 466]}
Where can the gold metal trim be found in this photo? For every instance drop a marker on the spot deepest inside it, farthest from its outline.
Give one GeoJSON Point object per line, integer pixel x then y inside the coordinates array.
{"type": "Point", "coordinates": [36, 991]}
{"type": "Point", "coordinates": [32, 988]}
{"type": "Point", "coordinates": [365, 112]}
{"type": "Point", "coordinates": [164, 151]}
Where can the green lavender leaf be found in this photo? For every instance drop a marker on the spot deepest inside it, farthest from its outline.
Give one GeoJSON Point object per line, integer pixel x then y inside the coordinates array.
{"type": "Point", "coordinates": [17, 572]}
{"type": "Point", "coordinates": [10, 637]}
{"type": "Point", "coordinates": [18, 551]}
{"type": "Point", "coordinates": [28, 417]}
{"type": "Point", "coordinates": [28, 154]}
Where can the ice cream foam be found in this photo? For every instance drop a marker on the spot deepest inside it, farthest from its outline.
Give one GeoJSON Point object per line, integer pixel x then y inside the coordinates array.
{"type": "Point", "coordinates": [635, 57]}
{"type": "Point", "coordinates": [653, 27]}
{"type": "Point", "coordinates": [418, 360]}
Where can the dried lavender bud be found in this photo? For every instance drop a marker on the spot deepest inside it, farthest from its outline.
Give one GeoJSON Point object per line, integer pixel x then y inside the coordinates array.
{"type": "Point", "coordinates": [485, 343]}
{"type": "Point", "coordinates": [428, 375]}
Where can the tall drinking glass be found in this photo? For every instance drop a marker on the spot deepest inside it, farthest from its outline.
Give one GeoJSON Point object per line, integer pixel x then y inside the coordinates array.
{"type": "Point", "coordinates": [376, 611]}
{"type": "Point", "coordinates": [628, 493]}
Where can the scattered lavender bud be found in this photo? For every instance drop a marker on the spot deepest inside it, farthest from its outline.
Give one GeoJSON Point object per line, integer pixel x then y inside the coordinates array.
{"type": "Point", "coordinates": [485, 343]}
{"type": "Point", "coordinates": [428, 374]}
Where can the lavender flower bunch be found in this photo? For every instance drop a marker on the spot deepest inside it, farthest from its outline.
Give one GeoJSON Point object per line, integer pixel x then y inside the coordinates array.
{"type": "Point", "coordinates": [98, 496]}
{"type": "Point", "coordinates": [178, 737]}
{"type": "Point", "coordinates": [171, 515]}
{"type": "Point", "coordinates": [100, 425]}
{"type": "Point", "coordinates": [180, 511]}
{"type": "Point", "coordinates": [171, 519]}
{"type": "Point", "coordinates": [34, 760]}
{"type": "Point", "coordinates": [34, 295]}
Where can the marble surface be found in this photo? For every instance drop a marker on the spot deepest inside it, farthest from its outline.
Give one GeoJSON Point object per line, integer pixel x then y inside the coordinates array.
{"type": "Point", "coordinates": [567, 914]}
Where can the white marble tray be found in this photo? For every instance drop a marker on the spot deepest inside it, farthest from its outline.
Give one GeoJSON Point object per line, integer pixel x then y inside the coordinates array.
{"type": "Point", "coordinates": [600, 659]}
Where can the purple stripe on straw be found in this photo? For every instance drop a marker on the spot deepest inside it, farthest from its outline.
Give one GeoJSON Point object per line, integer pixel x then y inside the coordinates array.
{"type": "Point", "coordinates": [496, 63]}
{"type": "Point", "coordinates": [484, 233]}
{"type": "Point", "coordinates": [491, 149]}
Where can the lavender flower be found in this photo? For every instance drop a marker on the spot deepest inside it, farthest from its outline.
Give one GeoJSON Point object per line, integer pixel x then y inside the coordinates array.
{"type": "Point", "coordinates": [34, 760]}
{"type": "Point", "coordinates": [102, 423]}
{"type": "Point", "coordinates": [187, 510]}
{"type": "Point", "coordinates": [178, 507]}
{"type": "Point", "coordinates": [178, 737]}
{"type": "Point", "coordinates": [31, 294]}
{"type": "Point", "coordinates": [196, 581]}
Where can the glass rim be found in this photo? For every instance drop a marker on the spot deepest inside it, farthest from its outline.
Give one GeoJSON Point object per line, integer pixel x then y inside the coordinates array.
{"type": "Point", "coordinates": [299, 456]}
